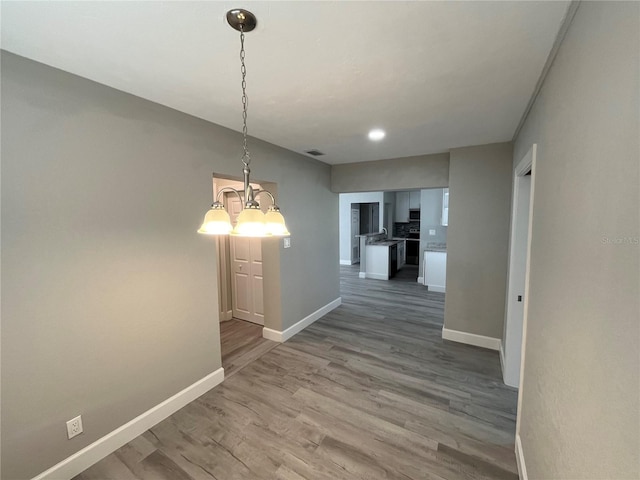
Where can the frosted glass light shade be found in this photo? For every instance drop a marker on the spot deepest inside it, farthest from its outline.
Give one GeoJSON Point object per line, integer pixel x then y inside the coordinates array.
{"type": "Point", "coordinates": [275, 224]}
{"type": "Point", "coordinates": [216, 222]}
{"type": "Point", "coordinates": [250, 224]}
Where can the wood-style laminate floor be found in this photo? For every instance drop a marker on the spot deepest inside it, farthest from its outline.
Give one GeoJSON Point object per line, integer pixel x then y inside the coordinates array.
{"type": "Point", "coordinates": [370, 391]}
{"type": "Point", "coordinates": [242, 343]}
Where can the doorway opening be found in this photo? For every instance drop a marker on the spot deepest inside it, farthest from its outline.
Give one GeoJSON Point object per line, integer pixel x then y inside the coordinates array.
{"type": "Point", "coordinates": [246, 268]}
{"type": "Point", "coordinates": [412, 222]}
{"type": "Point", "coordinates": [240, 275]}
{"type": "Point", "coordinates": [365, 219]}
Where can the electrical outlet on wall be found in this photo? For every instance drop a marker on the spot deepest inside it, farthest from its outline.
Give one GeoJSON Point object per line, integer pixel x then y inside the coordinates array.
{"type": "Point", "coordinates": [287, 242]}
{"type": "Point", "coordinates": [74, 427]}
{"type": "Point", "coordinates": [432, 232]}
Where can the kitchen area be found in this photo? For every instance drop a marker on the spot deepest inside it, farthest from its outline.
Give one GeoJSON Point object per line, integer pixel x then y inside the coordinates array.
{"type": "Point", "coordinates": [406, 235]}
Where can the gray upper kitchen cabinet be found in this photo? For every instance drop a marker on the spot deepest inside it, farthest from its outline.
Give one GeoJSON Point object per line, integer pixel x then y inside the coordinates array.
{"type": "Point", "coordinates": [404, 202]}
{"type": "Point", "coordinates": [414, 199]}
{"type": "Point", "coordinates": [402, 206]}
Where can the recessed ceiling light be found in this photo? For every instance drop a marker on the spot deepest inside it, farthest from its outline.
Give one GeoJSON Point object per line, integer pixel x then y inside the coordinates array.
{"type": "Point", "coordinates": [376, 134]}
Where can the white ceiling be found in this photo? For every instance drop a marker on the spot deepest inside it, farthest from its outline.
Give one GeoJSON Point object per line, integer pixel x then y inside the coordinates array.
{"type": "Point", "coordinates": [434, 75]}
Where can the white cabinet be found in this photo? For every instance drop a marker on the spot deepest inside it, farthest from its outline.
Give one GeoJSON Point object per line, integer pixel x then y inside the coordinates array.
{"type": "Point", "coordinates": [435, 271]}
{"type": "Point", "coordinates": [445, 207]}
{"type": "Point", "coordinates": [378, 260]}
{"type": "Point", "coordinates": [402, 206]}
{"type": "Point", "coordinates": [414, 199]}
{"type": "Point", "coordinates": [377, 266]}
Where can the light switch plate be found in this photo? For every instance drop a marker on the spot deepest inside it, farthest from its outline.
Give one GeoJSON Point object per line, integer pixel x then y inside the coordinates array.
{"type": "Point", "coordinates": [432, 232]}
{"type": "Point", "coordinates": [287, 242]}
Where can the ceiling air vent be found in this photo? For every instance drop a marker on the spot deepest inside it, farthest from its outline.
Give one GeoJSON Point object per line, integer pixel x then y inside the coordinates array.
{"type": "Point", "coordinates": [315, 153]}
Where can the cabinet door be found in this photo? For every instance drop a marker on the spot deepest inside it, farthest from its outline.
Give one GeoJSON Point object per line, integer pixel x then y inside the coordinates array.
{"type": "Point", "coordinates": [402, 206]}
{"type": "Point", "coordinates": [393, 260]}
{"type": "Point", "coordinates": [414, 199]}
{"type": "Point", "coordinates": [400, 254]}
{"type": "Point", "coordinates": [435, 271]}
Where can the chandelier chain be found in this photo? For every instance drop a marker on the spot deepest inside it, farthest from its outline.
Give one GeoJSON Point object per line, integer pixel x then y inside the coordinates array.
{"type": "Point", "coordinates": [246, 158]}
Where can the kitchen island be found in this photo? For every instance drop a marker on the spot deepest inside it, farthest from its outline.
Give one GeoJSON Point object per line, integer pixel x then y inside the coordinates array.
{"type": "Point", "coordinates": [380, 257]}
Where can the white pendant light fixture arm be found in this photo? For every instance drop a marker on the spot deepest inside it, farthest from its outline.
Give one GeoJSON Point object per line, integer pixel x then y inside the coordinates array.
{"type": "Point", "coordinates": [273, 200]}
{"type": "Point", "coordinates": [227, 189]}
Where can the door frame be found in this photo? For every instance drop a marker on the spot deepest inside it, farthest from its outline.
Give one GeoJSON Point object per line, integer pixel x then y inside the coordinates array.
{"type": "Point", "coordinates": [517, 256]}
{"type": "Point", "coordinates": [526, 164]}
{"type": "Point", "coordinates": [270, 257]}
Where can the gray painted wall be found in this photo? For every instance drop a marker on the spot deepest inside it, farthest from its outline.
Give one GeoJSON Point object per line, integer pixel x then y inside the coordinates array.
{"type": "Point", "coordinates": [109, 296]}
{"type": "Point", "coordinates": [478, 238]}
{"type": "Point", "coordinates": [580, 398]}
{"type": "Point", "coordinates": [424, 171]}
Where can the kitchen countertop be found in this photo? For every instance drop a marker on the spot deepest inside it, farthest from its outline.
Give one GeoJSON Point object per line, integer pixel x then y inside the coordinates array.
{"type": "Point", "coordinates": [385, 243]}
{"type": "Point", "coordinates": [436, 247]}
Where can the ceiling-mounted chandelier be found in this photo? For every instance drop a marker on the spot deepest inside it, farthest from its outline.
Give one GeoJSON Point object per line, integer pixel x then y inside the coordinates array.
{"type": "Point", "coordinates": [251, 221]}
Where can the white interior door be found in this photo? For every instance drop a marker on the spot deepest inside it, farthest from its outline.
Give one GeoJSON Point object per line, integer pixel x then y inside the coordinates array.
{"type": "Point", "coordinates": [518, 269]}
{"type": "Point", "coordinates": [246, 279]}
{"type": "Point", "coordinates": [246, 272]}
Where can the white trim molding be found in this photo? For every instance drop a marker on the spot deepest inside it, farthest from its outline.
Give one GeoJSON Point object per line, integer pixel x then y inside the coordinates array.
{"type": "Point", "coordinates": [502, 359]}
{"type": "Point", "coordinates": [375, 276]}
{"type": "Point", "coordinates": [278, 336]}
{"type": "Point", "coordinates": [346, 262]}
{"type": "Point", "coordinates": [471, 339]}
{"type": "Point", "coordinates": [420, 280]}
{"type": "Point", "coordinates": [83, 459]}
{"type": "Point", "coordinates": [362, 275]}
{"type": "Point", "coordinates": [436, 288]}
{"type": "Point", "coordinates": [522, 467]}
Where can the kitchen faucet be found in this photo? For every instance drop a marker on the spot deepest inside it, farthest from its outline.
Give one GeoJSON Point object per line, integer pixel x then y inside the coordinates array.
{"type": "Point", "coordinates": [385, 232]}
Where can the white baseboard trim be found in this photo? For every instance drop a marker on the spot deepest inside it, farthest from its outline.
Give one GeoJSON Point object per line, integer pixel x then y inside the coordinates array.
{"type": "Point", "coordinates": [285, 335]}
{"type": "Point", "coordinates": [522, 467]}
{"type": "Point", "coordinates": [83, 459]}
{"type": "Point", "coordinates": [502, 361]}
{"type": "Point", "coordinates": [362, 275]}
{"type": "Point", "coordinates": [471, 339]}
{"type": "Point", "coordinates": [271, 334]}
{"type": "Point", "coordinates": [224, 316]}
{"type": "Point", "coordinates": [420, 280]}
{"type": "Point", "coordinates": [346, 262]}
{"type": "Point", "coordinates": [436, 288]}
{"type": "Point", "coordinates": [377, 276]}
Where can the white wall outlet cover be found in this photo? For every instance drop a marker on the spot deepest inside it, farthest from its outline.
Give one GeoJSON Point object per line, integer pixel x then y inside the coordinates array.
{"type": "Point", "coordinates": [432, 232]}
{"type": "Point", "coordinates": [74, 427]}
{"type": "Point", "coordinates": [287, 242]}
